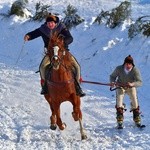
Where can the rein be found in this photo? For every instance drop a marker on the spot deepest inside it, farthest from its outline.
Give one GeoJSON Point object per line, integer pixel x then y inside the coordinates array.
{"type": "Point", "coordinates": [91, 82]}
{"type": "Point", "coordinates": [59, 60]}
{"type": "Point", "coordinates": [55, 64]}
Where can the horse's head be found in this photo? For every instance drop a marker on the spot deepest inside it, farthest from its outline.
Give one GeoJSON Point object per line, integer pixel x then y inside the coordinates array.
{"type": "Point", "coordinates": [57, 52]}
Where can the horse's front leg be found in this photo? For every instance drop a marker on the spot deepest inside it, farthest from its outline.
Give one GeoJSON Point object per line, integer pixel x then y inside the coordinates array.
{"type": "Point", "coordinates": [53, 118]}
{"type": "Point", "coordinates": [53, 121]}
{"type": "Point", "coordinates": [61, 125]}
{"type": "Point", "coordinates": [76, 114]}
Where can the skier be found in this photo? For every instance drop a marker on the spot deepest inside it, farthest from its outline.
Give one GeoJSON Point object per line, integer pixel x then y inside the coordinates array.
{"type": "Point", "coordinates": [127, 74]}
{"type": "Point", "coordinates": [46, 30]}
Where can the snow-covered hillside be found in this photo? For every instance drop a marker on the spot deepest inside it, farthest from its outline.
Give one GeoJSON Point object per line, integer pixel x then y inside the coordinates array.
{"type": "Point", "coordinates": [24, 113]}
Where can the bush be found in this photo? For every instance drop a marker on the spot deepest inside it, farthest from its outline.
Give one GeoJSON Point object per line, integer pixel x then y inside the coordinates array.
{"type": "Point", "coordinates": [116, 16]}
{"type": "Point", "coordinates": [141, 25]}
{"type": "Point", "coordinates": [104, 15]}
{"type": "Point", "coordinates": [41, 12]}
{"type": "Point", "coordinates": [72, 19]}
{"type": "Point", "coordinates": [18, 7]}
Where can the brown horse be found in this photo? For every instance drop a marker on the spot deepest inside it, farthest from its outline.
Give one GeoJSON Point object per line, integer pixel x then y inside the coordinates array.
{"type": "Point", "coordinates": [60, 84]}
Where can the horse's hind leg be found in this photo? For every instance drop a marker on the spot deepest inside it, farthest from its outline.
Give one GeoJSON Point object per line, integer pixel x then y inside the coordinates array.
{"type": "Point", "coordinates": [83, 135]}
{"type": "Point", "coordinates": [77, 115]}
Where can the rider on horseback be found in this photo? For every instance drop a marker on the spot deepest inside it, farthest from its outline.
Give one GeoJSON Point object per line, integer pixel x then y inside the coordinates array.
{"type": "Point", "coordinates": [46, 30]}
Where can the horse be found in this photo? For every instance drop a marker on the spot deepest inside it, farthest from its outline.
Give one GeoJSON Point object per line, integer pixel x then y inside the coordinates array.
{"type": "Point", "coordinates": [61, 85]}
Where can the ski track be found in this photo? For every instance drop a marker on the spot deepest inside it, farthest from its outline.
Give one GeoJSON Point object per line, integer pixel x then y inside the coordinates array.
{"type": "Point", "coordinates": [23, 126]}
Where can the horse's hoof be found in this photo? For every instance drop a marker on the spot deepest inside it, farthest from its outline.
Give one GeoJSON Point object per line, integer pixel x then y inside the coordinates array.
{"type": "Point", "coordinates": [84, 137]}
{"type": "Point", "coordinates": [63, 126]}
{"type": "Point", "coordinates": [53, 126]}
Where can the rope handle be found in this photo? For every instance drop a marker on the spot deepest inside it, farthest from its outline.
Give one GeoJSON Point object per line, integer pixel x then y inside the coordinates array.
{"type": "Point", "coordinates": [113, 89]}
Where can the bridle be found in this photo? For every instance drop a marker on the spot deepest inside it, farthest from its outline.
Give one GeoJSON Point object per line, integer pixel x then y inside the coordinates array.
{"type": "Point", "coordinates": [56, 60]}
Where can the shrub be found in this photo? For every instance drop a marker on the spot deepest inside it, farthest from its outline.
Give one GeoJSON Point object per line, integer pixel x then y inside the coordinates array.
{"type": "Point", "coordinates": [141, 25]}
{"type": "Point", "coordinates": [18, 7]}
{"type": "Point", "coordinates": [116, 16]}
{"type": "Point", "coordinates": [72, 19]}
{"type": "Point", "coordinates": [103, 14]}
{"type": "Point", "coordinates": [41, 12]}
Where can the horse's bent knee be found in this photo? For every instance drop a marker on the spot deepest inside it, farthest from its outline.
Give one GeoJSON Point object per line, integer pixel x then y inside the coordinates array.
{"type": "Point", "coordinates": [75, 116]}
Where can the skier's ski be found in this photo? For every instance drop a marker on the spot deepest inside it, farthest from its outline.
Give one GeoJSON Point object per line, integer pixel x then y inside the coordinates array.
{"type": "Point", "coordinates": [140, 126]}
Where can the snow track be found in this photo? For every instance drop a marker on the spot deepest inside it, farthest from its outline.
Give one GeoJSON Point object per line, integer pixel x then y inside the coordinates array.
{"type": "Point", "coordinates": [24, 116]}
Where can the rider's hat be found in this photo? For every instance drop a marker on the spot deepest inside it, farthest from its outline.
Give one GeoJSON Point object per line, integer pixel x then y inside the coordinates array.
{"type": "Point", "coordinates": [129, 60]}
{"type": "Point", "coordinates": [51, 17]}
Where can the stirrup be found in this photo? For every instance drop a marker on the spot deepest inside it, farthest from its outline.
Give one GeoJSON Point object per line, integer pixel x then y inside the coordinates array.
{"type": "Point", "coordinates": [81, 93]}
{"type": "Point", "coordinates": [44, 90]}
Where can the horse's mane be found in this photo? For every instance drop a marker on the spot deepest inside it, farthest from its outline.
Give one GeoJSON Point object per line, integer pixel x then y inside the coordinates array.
{"type": "Point", "coordinates": [56, 39]}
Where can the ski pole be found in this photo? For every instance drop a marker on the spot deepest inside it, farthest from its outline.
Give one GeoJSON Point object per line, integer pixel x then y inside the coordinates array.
{"type": "Point", "coordinates": [20, 53]}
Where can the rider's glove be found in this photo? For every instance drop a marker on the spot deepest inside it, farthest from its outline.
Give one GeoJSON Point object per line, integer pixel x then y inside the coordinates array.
{"type": "Point", "coordinates": [80, 80]}
{"type": "Point", "coordinates": [112, 85]}
{"type": "Point", "coordinates": [130, 84]}
{"type": "Point", "coordinates": [26, 38]}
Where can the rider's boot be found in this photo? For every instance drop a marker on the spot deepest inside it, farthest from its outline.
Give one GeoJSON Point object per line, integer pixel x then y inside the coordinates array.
{"type": "Point", "coordinates": [44, 87]}
{"type": "Point", "coordinates": [79, 91]}
{"type": "Point", "coordinates": [136, 116]}
{"type": "Point", "coordinates": [119, 117]}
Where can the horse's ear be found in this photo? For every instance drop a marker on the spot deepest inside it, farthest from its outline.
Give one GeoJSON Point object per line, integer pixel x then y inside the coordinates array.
{"type": "Point", "coordinates": [61, 37]}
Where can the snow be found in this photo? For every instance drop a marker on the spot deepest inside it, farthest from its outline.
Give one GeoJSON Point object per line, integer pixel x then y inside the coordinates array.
{"type": "Point", "coordinates": [24, 113]}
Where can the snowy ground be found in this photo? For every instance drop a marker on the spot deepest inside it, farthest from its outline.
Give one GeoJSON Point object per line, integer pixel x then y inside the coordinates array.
{"type": "Point", "coordinates": [24, 113]}
{"type": "Point", "coordinates": [25, 118]}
